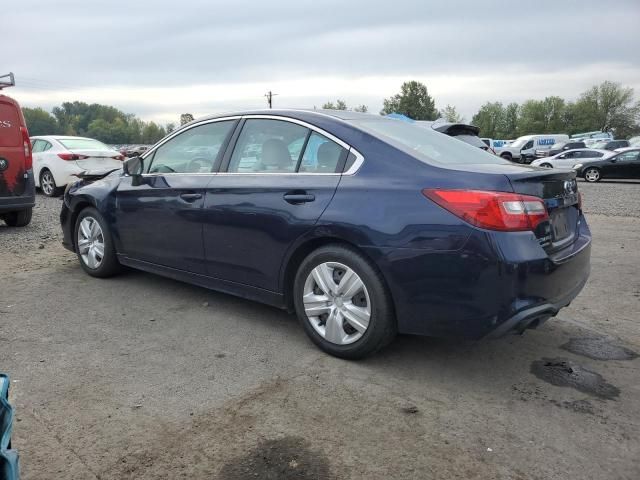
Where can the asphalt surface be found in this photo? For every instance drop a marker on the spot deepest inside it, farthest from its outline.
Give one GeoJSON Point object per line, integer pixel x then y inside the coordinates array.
{"type": "Point", "coordinates": [141, 377]}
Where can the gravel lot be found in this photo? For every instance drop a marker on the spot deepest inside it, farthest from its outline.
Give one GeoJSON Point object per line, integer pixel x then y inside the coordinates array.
{"type": "Point", "coordinates": [141, 377]}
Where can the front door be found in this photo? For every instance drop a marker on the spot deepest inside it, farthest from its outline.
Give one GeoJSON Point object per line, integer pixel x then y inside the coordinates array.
{"type": "Point", "coordinates": [275, 184]}
{"type": "Point", "coordinates": [159, 218]}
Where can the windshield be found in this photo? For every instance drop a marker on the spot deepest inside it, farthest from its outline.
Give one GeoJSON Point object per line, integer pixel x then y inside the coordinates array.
{"type": "Point", "coordinates": [600, 144]}
{"type": "Point", "coordinates": [426, 144]}
{"type": "Point", "coordinates": [519, 143]}
{"type": "Point", "coordinates": [82, 144]}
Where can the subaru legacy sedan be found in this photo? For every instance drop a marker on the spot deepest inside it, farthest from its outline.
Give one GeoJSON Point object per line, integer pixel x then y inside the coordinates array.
{"type": "Point", "coordinates": [363, 226]}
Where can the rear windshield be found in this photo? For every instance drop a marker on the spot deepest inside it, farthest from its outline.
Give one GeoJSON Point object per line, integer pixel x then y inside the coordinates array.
{"type": "Point", "coordinates": [426, 144]}
{"type": "Point", "coordinates": [82, 144]}
{"type": "Point", "coordinates": [10, 135]}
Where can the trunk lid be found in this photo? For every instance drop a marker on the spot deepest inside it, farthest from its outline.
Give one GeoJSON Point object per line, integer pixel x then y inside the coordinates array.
{"type": "Point", "coordinates": [97, 159]}
{"type": "Point", "coordinates": [559, 190]}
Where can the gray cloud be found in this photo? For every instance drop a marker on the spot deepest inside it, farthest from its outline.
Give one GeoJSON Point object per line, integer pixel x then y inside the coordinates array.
{"type": "Point", "coordinates": [65, 45]}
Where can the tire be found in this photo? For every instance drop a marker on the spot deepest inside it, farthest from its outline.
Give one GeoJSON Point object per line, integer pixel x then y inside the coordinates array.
{"type": "Point", "coordinates": [592, 174]}
{"type": "Point", "coordinates": [546, 165]}
{"type": "Point", "coordinates": [506, 156]}
{"type": "Point", "coordinates": [338, 262]}
{"type": "Point", "coordinates": [21, 218]}
{"type": "Point", "coordinates": [48, 184]}
{"type": "Point", "coordinates": [99, 259]}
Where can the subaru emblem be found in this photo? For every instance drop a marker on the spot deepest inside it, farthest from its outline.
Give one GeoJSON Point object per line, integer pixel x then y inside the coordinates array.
{"type": "Point", "coordinates": [4, 164]}
{"type": "Point", "coordinates": [569, 187]}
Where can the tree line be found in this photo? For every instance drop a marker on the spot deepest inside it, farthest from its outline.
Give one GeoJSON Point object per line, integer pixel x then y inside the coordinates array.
{"type": "Point", "coordinates": [606, 107]}
{"type": "Point", "coordinates": [102, 122]}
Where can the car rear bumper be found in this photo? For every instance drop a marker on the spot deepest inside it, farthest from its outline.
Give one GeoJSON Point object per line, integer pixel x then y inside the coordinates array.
{"type": "Point", "coordinates": [20, 202]}
{"type": "Point", "coordinates": [496, 284]}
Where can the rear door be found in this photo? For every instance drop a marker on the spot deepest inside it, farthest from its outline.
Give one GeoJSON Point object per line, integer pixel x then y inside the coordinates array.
{"type": "Point", "coordinates": [274, 185]}
{"type": "Point", "coordinates": [12, 154]}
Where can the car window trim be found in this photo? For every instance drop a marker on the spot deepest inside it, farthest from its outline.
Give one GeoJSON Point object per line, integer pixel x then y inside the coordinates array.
{"type": "Point", "coordinates": [151, 152]}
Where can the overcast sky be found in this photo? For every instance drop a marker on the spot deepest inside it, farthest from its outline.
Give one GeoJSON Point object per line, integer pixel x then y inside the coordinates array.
{"type": "Point", "coordinates": [160, 58]}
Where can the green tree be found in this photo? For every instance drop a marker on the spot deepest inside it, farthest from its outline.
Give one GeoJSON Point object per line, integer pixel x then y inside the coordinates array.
{"type": "Point", "coordinates": [185, 118]}
{"type": "Point", "coordinates": [491, 118]}
{"type": "Point", "coordinates": [152, 132]}
{"type": "Point", "coordinates": [510, 121]}
{"type": "Point", "coordinates": [339, 105]}
{"type": "Point", "coordinates": [607, 107]}
{"type": "Point", "coordinates": [40, 122]}
{"type": "Point", "coordinates": [413, 101]}
{"type": "Point", "coordinates": [361, 109]}
{"type": "Point", "coordinates": [170, 127]}
{"type": "Point", "coordinates": [450, 114]}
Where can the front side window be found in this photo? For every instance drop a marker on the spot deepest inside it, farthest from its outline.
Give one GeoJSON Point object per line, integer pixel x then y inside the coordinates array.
{"type": "Point", "coordinates": [268, 146]}
{"type": "Point", "coordinates": [628, 156]}
{"type": "Point", "coordinates": [192, 151]}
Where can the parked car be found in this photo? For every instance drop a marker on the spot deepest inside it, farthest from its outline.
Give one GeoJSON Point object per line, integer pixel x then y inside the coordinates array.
{"type": "Point", "coordinates": [523, 149]}
{"type": "Point", "coordinates": [569, 158]}
{"type": "Point", "coordinates": [622, 164]}
{"type": "Point", "coordinates": [364, 226]}
{"type": "Point", "coordinates": [634, 141]}
{"type": "Point", "coordinates": [135, 150]}
{"type": "Point", "coordinates": [463, 132]}
{"type": "Point", "coordinates": [494, 144]}
{"type": "Point", "coordinates": [17, 190]}
{"type": "Point", "coordinates": [560, 147]}
{"type": "Point", "coordinates": [58, 159]}
{"type": "Point", "coordinates": [610, 144]}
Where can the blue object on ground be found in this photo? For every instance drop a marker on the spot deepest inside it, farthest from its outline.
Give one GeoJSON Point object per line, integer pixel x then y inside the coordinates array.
{"type": "Point", "coordinates": [8, 457]}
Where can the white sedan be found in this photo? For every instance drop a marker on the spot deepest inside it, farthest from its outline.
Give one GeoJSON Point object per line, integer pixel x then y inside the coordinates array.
{"type": "Point", "coordinates": [569, 158]}
{"type": "Point", "coordinates": [57, 159]}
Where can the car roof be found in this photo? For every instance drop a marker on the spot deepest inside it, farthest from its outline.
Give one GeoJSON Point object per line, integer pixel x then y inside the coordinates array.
{"type": "Point", "coordinates": [57, 137]}
{"type": "Point", "coordinates": [625, 149]}
{"type": "Point", "coordinates": [297, 113]}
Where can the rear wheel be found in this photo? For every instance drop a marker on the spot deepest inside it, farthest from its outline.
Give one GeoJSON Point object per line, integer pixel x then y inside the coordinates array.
{"type": "Point", "coordinates": [343, 303]}
{"type": "Point", "coordinates": [592, 174]}
{"type": "Point", "coordinates": [48, 184]}
{"type": "Point", "coordinates": [506, 156]}
{"type": "Point", "coordinates": [546, 165]}
{"type": "Point", "coordinates": [94, 244]}
{"type": "Point", "coordinates": [21, 218]}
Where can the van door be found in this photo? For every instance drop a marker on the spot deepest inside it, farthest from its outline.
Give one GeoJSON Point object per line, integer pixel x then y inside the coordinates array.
{"type": "Point", "coordinates": [12, 155]}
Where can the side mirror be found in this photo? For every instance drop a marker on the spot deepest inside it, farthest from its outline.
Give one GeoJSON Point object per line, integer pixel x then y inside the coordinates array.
{"type": "Point", "coordinates": [133, 166]}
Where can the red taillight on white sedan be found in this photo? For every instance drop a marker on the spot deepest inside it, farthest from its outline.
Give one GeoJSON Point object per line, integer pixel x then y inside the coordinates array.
{"type": "Point", "coordinates": [504, 211]}
{"type": "Point", "coordinates": [72, 156]}
{"type": "Point", "coordinates": [118, 157]}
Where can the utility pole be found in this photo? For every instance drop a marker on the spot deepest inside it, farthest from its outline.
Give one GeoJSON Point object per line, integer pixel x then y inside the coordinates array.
{"type": "Point", "coordinates": [270, 96]}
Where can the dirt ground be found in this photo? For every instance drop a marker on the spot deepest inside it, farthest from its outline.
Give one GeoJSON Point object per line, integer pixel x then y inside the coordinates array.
{"type": "Point", "coordinates": [141, 377]}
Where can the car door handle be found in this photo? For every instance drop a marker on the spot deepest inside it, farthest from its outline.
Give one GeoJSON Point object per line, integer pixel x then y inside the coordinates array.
{"type": "Point", "coordinates": [296, 198]}
{"type": "Point", "coordinates": [190, 197]}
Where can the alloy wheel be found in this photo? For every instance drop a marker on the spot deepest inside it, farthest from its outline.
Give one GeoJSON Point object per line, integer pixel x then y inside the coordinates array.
{"type": "Point", "coordinates": [337, 303]}
{"type": "Point", "coordinates": [90, 242]}
{"type": "Point", "coordinates": [592, 175]}
{"type": "Point", "coordinates": [47, 183]}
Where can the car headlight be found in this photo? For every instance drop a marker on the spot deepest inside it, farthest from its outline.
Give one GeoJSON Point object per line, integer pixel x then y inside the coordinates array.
{"type": "Point", "coordinates": [577, 166]}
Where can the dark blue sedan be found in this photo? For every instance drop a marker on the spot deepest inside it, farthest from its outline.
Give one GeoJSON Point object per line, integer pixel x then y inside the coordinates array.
{"type": "Point", "coordinates": [364, 226]}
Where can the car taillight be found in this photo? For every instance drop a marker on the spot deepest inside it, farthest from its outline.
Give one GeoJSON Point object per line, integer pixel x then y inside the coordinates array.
{"type": "Point", "coordinates": [72, 156]}
{"type": "Point", "coordinates": [118, 157]}
{"type": "Point", "coordinates": [504, 211]}
{"type": "Point", "coordinates": [26, 144]}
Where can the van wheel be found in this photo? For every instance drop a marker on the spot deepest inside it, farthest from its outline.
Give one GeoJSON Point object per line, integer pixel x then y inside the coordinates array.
{"type": "Point", "coordinates": [94, 244]}
{"type": "Point", "coordinates": [21, 218]}
{"type": "Point", "coordinates": [506, 156]}
{"type": "Point", "coordinates": [48, 184]}
{"type": "Point", "coordinates": [343, 302]}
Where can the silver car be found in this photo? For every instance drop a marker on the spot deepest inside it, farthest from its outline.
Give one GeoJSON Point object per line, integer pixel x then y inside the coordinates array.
{"type": "Point", "coordinates": [569, 158]}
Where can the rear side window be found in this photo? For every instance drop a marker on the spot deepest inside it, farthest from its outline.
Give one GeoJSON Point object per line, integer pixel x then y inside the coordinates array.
{"type": "Point", "coordinates": [424, 143]}
{"type": "Point", "coordinates": [590, 154]}
{"type": "Point", "coordinates": [82, 144]}
{"type": "Point", "coordinates": [10, 135]}
{"type": "Point", "coordinates": [268, 146]}
{"type": "Point", "coordinates": [322, 155]}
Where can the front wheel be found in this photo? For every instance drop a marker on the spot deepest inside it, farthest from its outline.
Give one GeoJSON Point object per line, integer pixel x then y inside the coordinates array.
{"type": "Point", "coordinates": [94, 245]}
{"type": "Point", "coordinates": [343, 303]}
{"type": "Point", "coordinates": [21, 218]}
{"type": "Point", "coordinates": [592, 175]}
{"type": "Point", "coordinates": [546, 165]}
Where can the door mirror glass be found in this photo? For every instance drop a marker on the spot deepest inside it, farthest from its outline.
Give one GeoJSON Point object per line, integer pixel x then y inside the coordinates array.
{"type": "Point", "coordinates": [133, 166]}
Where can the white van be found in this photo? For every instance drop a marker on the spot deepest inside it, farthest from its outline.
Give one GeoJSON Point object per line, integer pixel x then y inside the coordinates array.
{"type": "Point", "coordinates": [523, 149]}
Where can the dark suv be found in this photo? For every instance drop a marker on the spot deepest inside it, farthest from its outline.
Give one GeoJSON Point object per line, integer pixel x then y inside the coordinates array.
{"type": "Point", "coordinates": [17, 189]}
